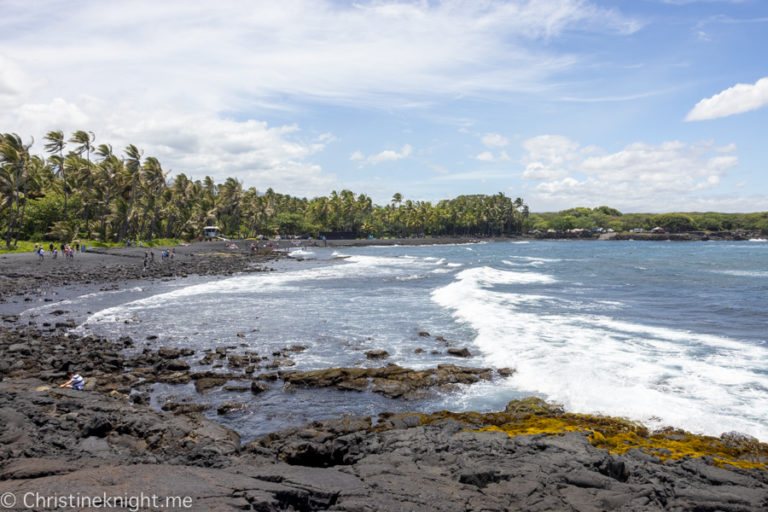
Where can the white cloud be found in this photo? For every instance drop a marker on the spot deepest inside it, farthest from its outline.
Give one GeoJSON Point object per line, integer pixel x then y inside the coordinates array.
{"type": "Point", "coordinates": [357, 155]}
{"type": "Point", "coordinates": [640, 177]}
{"type": "Point", "coordinates": [190, 83]}
{"type": "Point", "coordinates": [494, 140]}
{"type": "Point", "coordinates": [307, 49]}
{"type": "Point", "coordinates": [487, 156]}
{"type": "Point", "coordinates": [197, 144]}
{"type": "Point", "coordinates": [735, 100]}
{"type": "Point", "coordinates": [141, 71]}
{"type": "Point", "coordinates": [390, 155]}
{"type": "Point", "coordinates": [548, 157]}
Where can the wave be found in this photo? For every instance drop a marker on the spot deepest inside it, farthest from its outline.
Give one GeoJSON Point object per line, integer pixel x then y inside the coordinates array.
{"type": "Point", "coordinates": [742, 273]}
{"type": "Point", "coordinates": [596, 364]}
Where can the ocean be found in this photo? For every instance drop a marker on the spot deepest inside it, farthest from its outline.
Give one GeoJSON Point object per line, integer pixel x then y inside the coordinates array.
{"type": "Point", "coordinates": [663, 333]}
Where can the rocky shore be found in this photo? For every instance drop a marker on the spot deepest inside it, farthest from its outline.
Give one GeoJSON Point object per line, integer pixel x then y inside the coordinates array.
{"type": "Point", "coordinates": [107, 441]}
{"type": "Point", "coordinates": [23, 274]}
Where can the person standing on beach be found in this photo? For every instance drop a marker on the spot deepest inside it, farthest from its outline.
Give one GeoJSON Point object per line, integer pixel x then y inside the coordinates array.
{"type": "Point", "coordinates": [41, 252]}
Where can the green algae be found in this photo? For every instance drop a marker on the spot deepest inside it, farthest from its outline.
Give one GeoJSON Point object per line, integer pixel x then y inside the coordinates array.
{"type": "Point", "coordinates": [533, 416]}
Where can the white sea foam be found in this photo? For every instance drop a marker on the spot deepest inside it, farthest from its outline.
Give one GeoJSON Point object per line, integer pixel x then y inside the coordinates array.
{"type": "Point", "coordinates": [301, 253]}
{"type": "Point", "coordinates": [593, 363]}
{"type": "Point", "coordinates": [743, 273]}
{"type": "Point", "coordinates": [209, 294]}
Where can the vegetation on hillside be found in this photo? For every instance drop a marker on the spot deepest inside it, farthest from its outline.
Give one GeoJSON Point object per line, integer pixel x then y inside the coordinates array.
{"type": "Point", "coordinates": [609, 218]}
{"type": "Point", "coordinates": [79, 189]}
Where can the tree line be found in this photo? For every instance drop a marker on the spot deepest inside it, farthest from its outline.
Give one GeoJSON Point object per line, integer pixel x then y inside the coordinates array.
{"type": "Point", "coordinates": [80, 189]}
{"type": "Point", "coordinates": [605, 217]}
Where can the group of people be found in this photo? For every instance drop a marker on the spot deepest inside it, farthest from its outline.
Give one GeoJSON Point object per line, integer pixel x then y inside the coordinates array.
{"type": "Point", "coordinates": [149, 256]}
{"type": "Point", "coordinates": [67, 250]}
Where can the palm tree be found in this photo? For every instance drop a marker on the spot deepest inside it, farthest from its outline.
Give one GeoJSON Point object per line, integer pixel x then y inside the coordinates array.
{"type": "Point", "coordinates": [153, 179]}
{"type": "Point", "coordinates": [56, 145]}
{"type": "Point", "coordinates": [14, 159]}
{"type": "Point", "coordinates": [132, 168]}
{"type": "Point", "coordinates": [84, 141]}
{"type": "Point", "coordinates": [108, 172]}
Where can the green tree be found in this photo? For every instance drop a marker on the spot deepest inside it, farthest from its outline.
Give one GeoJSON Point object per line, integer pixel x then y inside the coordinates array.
{"type": "Point", "coordinates": [84, 144]}
{"type": "Point", "coordinates": [55, 145]}
{"type": "Point", "coordinates": [676, 222]}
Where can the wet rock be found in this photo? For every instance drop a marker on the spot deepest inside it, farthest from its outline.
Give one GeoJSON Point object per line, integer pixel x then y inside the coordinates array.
{"type": "Point", "coordinates": [169, 352]}
{"type": "Point", "coordinates": [280, 362]}
{"type": "Point", "coordinates": [505, 372]}
{"type": "Point", "coordinates": [177, 365]}
{"type": "Point", "coordinates": [236, 388]}
{"type": "Point", "coordinates": [229, 408]}
{"type": "Point", "coordinates": [141, 398]}
{"type": "Point", "coordinates": [204, 384]}
{"type": "Point", "coordinates": [185, 408]}
{"type": "Point", "coordinates": [377, 354]}
{"type": "Point", "coordinates": [459, 352]}
{"type": "Point", "coordinates": [392, 380]}
{"type": "Point", "coordinates": [20, 348]}
{"type": "Point", "coordinates": [238, 361]}
{"type": "Point", "coordinates": [259, 387]}
{"type": "Point", "coordinates": [534, 406]}
{"type": "Point", "coordinates": [424, 334]}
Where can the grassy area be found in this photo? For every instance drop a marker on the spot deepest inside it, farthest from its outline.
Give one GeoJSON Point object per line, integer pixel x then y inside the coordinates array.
{"type": "Point", "coordinates": [29, 246]}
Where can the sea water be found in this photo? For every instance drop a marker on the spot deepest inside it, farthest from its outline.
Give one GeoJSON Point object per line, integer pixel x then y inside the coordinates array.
{"type": "Point", "coordinates": [659, 332]}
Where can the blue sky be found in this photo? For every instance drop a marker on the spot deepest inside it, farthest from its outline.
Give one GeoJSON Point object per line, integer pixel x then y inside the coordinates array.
{"type": "Point", "coordinates": [643, 105]}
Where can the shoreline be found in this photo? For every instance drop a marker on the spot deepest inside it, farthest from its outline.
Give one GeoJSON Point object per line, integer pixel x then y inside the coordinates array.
{"type": "Point", "coordinates": [530, 456]}
{"type": "Point", "coordinates": [92, 441]}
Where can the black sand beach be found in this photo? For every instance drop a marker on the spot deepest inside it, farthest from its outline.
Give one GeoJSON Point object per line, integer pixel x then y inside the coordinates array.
{"type": "Point", "coordinates": [60, 444]}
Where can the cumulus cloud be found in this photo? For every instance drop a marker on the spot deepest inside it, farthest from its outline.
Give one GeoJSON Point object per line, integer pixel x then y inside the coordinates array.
{"type": "Point", "coordinates": [95, 65]}
{"type": "Point", "coordinates": [488, 156]}
{"type": "Point", "coordinates": [548, 157]}
{"type": "Point", "coordinates": [388, 155]}
{"type": "Point", "coordinates": [641, 176]}
{"type": "Point", "coordinates": [735, 100]}
{"type": "Point", "coordinates": [317, 49]}
{"type": "Point", "coordinates": [494, 140]}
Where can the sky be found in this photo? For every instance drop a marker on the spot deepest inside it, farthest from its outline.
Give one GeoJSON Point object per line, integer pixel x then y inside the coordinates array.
{"type": "Point", "coordinates": [641, 105]}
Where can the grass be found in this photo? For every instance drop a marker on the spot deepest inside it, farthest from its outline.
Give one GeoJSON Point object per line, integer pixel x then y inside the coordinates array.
{"type": "Point", "coordinates": [29, 246]}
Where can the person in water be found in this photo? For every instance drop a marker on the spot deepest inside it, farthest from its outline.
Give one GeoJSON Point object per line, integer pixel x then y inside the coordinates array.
{"type": "Point", "coordinates": [76, 382]}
